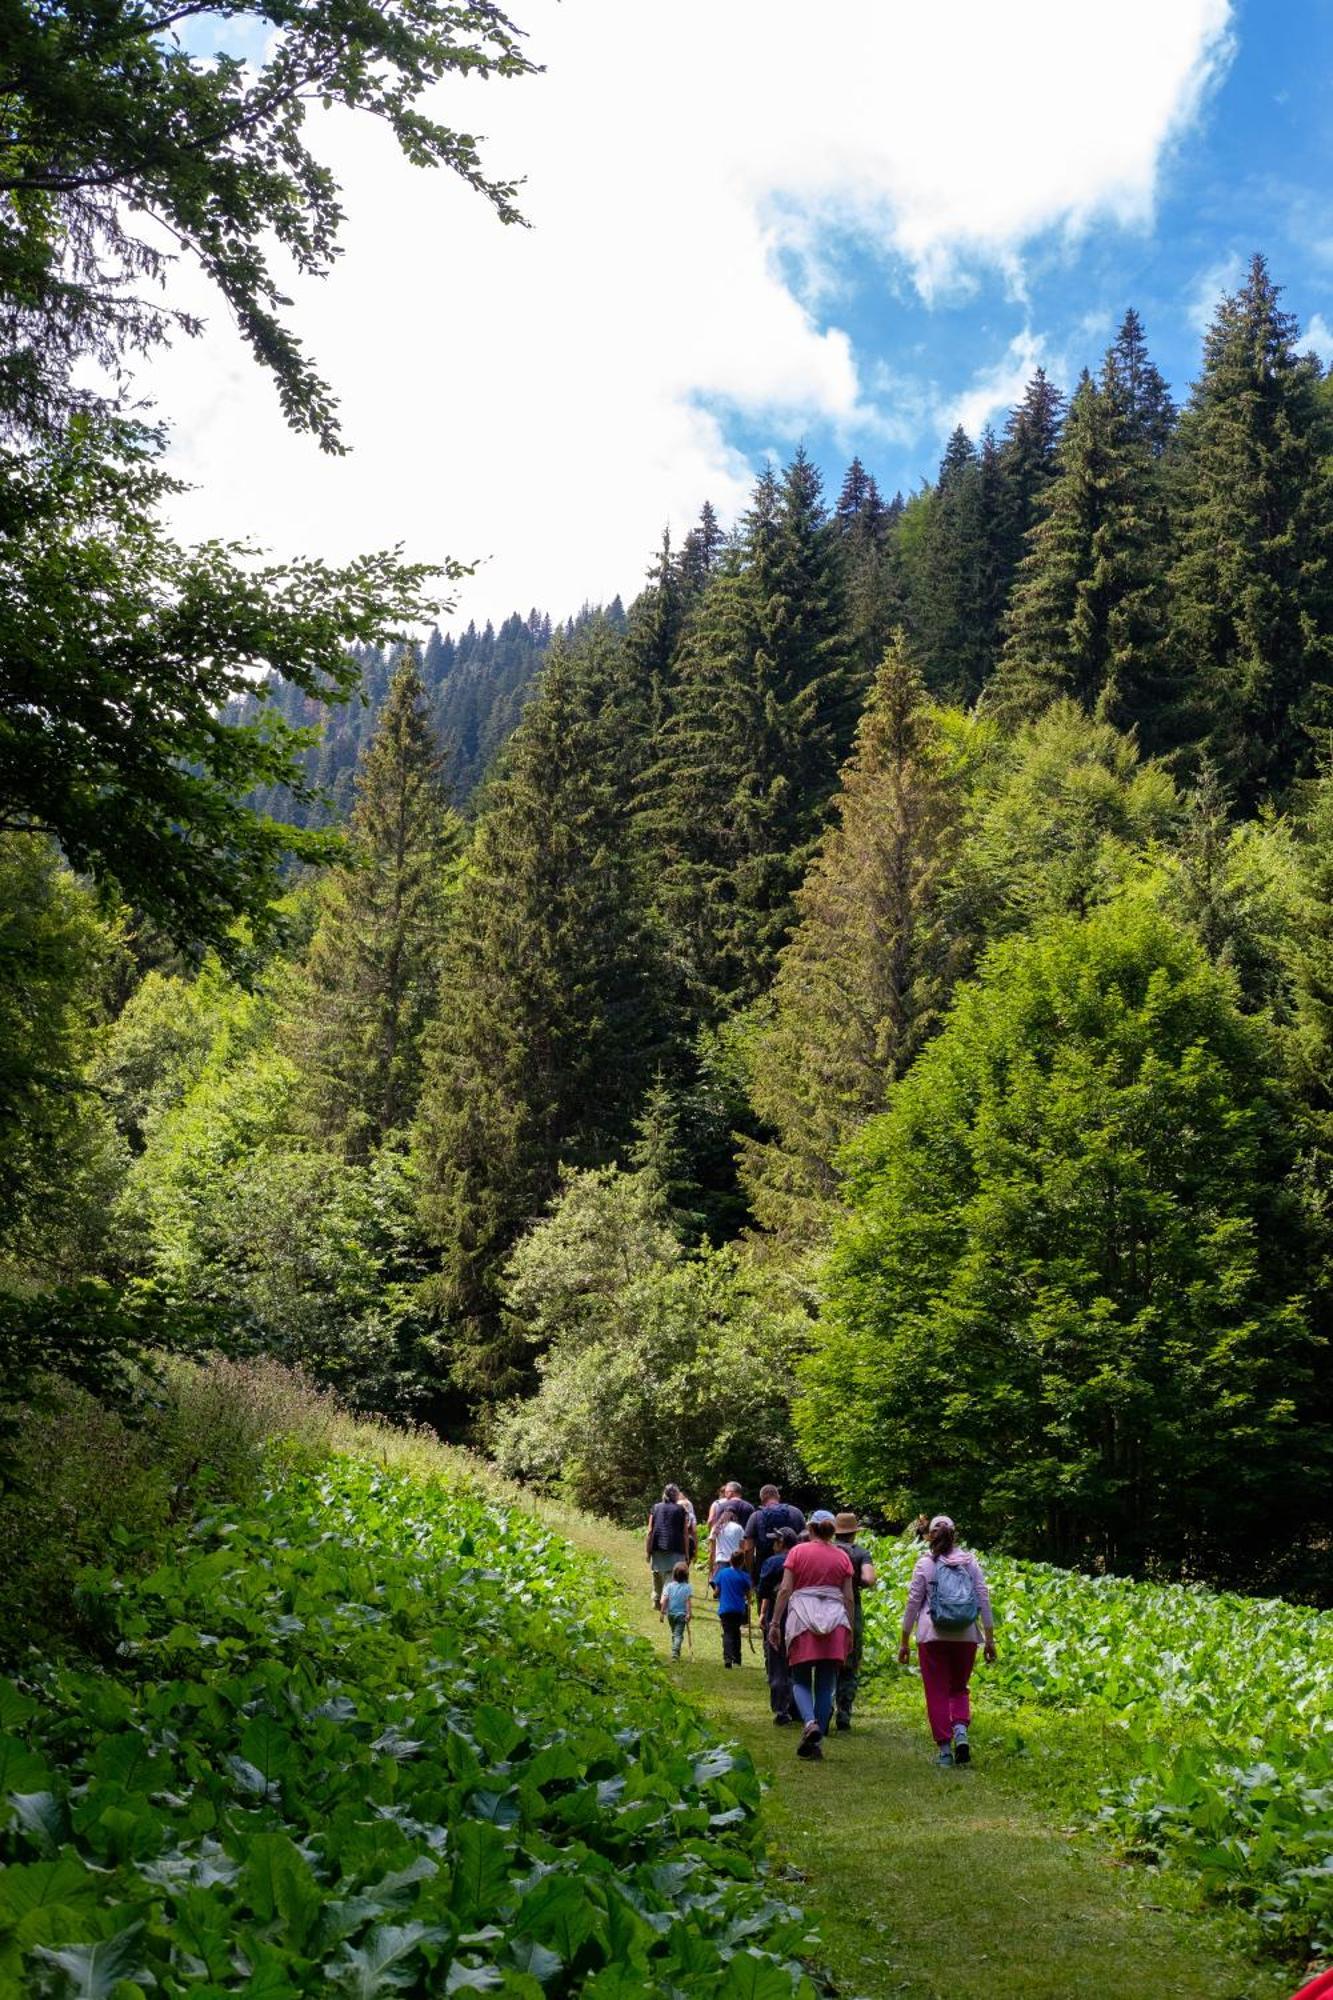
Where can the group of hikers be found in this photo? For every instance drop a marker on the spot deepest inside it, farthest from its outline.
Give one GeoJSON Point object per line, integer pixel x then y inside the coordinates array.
{"type": "Point", "coordinates": [807, 1576]}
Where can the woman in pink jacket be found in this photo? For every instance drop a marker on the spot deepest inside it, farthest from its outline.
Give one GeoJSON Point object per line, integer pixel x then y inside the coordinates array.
{"type": "Point", "coordinates": [947, 1583]}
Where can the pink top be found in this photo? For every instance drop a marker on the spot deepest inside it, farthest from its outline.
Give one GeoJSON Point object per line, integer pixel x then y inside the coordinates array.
{"type": "Point", "coordinates": [811, 1564]}
{"type": "Point", "coordinates": [917, 1609]}
{"type": "Point", "coordinates": [817, 1625]}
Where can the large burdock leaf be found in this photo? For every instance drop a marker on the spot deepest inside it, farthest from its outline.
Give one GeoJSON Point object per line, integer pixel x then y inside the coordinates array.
{"type": "Point", "coordinates": [279, 1882]}
{"type": "Point", "coordinates": [481, 1858]}
{"type": "Point", "coordinates": [378, 1965]}
{"type": "Point", "coordinates": [93, 1971]}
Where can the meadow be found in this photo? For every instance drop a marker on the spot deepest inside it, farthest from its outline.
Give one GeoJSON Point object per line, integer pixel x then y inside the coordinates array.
{"type": "Point", "coordinates": [362, 1731]}
{"type": "Point", "coordinates": [1194, 1726]}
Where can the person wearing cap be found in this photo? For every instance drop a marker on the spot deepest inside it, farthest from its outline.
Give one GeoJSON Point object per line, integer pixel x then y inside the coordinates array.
{"type": "Point", "coordinates": [946, 1657]}
{"type": "Point", "coordinates": [863, 1578]}
{"type": "Point", "coordinates": [814, 1613]}
{"type": "Point", "coordinates": [775, 1652]}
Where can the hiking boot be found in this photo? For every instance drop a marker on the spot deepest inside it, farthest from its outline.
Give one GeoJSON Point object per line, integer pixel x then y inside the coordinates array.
{"type": "Point", "coordinates": [783, 1721]}
{"type": "Point", "coordinates": [844, 1721]}
{"type": "Point", "coordinates": [810, 1741]}
{"type": "Point", "coordinates": [946, 1755]}
{"type": "Point", "coordinates": [962, 1749]}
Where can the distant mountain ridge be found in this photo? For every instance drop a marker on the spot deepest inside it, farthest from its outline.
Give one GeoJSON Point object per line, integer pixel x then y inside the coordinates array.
{"type": "Point", "coordinates": [477, 683]}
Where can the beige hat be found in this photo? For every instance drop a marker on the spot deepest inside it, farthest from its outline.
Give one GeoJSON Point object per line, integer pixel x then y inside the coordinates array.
{"type": "Point", "coordinates": [846, 1524]}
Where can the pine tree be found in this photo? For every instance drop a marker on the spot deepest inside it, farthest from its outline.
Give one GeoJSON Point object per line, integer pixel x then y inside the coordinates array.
{"type": "Point", "coordinates": [865, 970]}
{"type": "Point", "coordinates": [1252, 589]}
{"type": "Point", "coordinates": [549, 1025]}
{"type": "Point", "coordinates": [1087, 611]}
{"type": "Point", "coordinates": [369, 983]}
{"type": "Point", "coordinates": [763, 713]}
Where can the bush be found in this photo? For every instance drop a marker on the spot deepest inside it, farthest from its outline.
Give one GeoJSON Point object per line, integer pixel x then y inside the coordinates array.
{"type": "Point", "coordinates": [89, 1482]}
{"type": "Point", "coordinates": [657, 1365]}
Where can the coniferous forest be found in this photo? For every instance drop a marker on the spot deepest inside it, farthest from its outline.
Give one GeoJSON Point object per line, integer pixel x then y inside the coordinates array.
{"type": "Point", "coordinates": [896, 947]}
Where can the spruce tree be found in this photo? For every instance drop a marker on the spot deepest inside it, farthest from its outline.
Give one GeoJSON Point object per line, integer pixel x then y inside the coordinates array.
{"type": "Point", "coordinates": [959, 585]}
{"type": "Point", "coordinates": [549, 1027]}
{"type": "Point", "coordinates": [1141, 394]}
{"type": "Point", "coordinates": [1252, 589]}
{"type": "Point", "coordinates": [763, 713]}
{"type": "Point", "coordinates": [1028, 457]}
{"type": "Point", "coordinates": [700, 554]}
{"type": "Point", "coordinates": [1086, 617]}
{"type": "Point", "coordinates": [865, 970]}
{"type": "Point", "coordinates": [369, 983]}
{"type": "Point", "coordinates": [873, 575]}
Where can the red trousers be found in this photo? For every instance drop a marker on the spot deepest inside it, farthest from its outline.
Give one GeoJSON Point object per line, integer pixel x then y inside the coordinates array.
{"type": "Point", "coordinates": [946, 1669]}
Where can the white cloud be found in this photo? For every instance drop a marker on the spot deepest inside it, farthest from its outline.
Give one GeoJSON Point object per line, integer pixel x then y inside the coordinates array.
{"type": "Point", "coordinates": [995, 390]}
{"type": "Point", "coordinates": [547, 397]}
{"type": "Point", "coordinates": [1210, 285]}
{"type": "Point", "coordinates": [1319, 336]}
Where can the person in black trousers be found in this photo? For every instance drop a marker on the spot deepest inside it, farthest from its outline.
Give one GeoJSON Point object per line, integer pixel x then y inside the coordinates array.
{"type": "Point", "coordinates": [733, 1607]}
{"type": "Point", "coordinates": [775, 1652]}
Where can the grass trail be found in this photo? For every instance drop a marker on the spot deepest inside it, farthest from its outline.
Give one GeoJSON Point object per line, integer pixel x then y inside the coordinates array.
{"type": "Point", "coordinates": [947, 1885]}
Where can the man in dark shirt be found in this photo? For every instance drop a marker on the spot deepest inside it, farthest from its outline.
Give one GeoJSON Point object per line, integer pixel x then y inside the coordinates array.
{"type": "Point", "coordinates": [863, 1578]}
{"type": "Point", "coordinates": [670, 1539]}
{"type": "Point", "coordinates": [775, 1653]}
{"type": "Point", "coordinates": [772, 1513]}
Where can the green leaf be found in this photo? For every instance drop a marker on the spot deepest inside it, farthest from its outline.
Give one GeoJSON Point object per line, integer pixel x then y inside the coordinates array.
{"type": "Point", "coordinates": [93, 1971]}
{"type": "Point", "coordinates": [279, 1882]}
{"type": "Point", "coordinates": [481, 1861]}
{"type": "Point", "coordinates": [16, 1708]}
{"type": "Point", "coordinates": [472, 1978]}
{"type": "Point", "coordinates": [377, 1966]}
{"type": "Point", "coordinates": [43, 1818]}
{"type": "Point", "coordinates": [750, 1977]}
{"type": "Point", "coordinates": [21, 1769]}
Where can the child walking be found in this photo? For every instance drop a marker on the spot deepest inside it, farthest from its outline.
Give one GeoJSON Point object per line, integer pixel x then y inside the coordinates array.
{"type": "Point", "coordinates": [733, 1607]}
{"type": "Point", "coordinates": [677, 1606]}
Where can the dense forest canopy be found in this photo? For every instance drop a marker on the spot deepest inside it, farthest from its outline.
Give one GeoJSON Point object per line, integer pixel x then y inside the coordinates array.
{"type": "Point", "coordinates": [891, 952]}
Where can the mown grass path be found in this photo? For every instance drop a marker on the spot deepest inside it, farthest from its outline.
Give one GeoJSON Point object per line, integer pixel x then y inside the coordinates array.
{"type": "Point", "coordinates": [946, 1885]}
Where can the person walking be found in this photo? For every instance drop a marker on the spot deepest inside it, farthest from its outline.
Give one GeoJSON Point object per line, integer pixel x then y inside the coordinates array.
{"type": "Point", "coordinates": [817, 1602]}
{"type": "Point", "coordinates": [772, 1513]}
{"type": "Point", "coordinates": [669, 1540]}
{"type": "Point", "coordinates": [677, 1606]}
{"type": "Point", "coordinates": [770, 1631]}
{"type": "Point", "coordinates": [946, 1602]}
{"type": "Point", "coordinates": [863, 1578]}
{"type": "Point", "coordinates": [733, 1607]}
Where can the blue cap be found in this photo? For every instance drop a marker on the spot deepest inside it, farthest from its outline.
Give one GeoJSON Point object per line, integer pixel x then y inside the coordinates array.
{"type": "Point", "coordinates": [820, 1515]}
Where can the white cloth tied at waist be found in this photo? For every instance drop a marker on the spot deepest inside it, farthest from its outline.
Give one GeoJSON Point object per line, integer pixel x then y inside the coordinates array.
{"type": "Point", "coordinates": [818, 1608]}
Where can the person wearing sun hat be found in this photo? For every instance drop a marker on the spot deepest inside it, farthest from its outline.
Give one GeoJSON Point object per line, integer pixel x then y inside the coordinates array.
{"type": "Point", "coordinates": [845, 1528]}
{"type": "Point", "coordinates": [813, 1617]}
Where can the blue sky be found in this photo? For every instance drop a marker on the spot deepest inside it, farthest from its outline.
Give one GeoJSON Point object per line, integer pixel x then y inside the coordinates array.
{"type": "Point", "coordinates": [1253, 172]}
{"type": "Point", "coordinates": [750, 231]}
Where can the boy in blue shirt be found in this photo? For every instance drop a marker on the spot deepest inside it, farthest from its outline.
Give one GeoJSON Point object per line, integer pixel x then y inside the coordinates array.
{"type": "Point", "coordinates": [676, 1606]}
{"type": "Point", "coordinates": [733, 1607]}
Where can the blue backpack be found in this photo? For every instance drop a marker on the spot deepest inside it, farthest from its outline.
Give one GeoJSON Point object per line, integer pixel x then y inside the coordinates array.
{"type": "Point", "coordinates": [953, 1597]}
